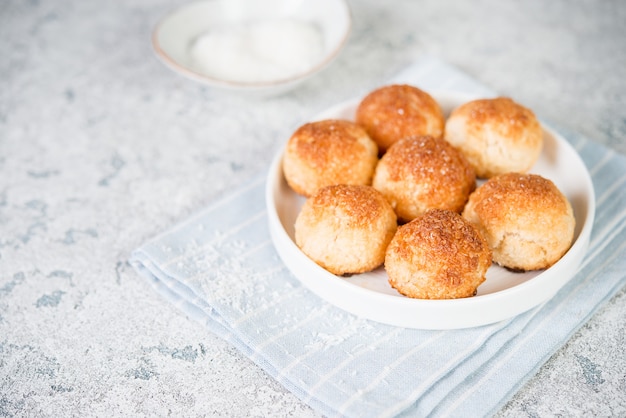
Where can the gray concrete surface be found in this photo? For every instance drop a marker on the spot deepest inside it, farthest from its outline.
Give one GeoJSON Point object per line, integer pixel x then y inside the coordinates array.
{"type": "Point", "coordinates": [102, 147]}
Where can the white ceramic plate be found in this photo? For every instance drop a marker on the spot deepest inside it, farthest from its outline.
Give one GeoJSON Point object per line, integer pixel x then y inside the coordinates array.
{"type": "Point", "coordinates": [503, 295]}
{"type": "Point", "coordinates": [174, 36]}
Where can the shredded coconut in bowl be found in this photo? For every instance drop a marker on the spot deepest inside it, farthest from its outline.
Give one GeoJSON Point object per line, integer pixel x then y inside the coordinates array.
{"type": "Point", "coordinates": [258, 52]}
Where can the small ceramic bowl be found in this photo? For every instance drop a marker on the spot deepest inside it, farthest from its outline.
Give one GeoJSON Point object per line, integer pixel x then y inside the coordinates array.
{"type": "Point", "coordinates": [267, 46]}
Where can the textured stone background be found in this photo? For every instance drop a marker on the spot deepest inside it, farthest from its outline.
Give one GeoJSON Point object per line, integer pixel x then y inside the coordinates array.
{"type": "Point", "coordinates": [102, 147]}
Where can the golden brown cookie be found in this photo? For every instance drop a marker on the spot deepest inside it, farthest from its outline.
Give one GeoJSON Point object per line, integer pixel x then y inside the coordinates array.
{"type": "Point", "coordinates": [527, 221]}
{"type": "Point", "coordinates": [496, 135]}
{"type": "Point", "coordinates": [398, 111]}
{"type": "Point", "coordinates": [438, 255]}
{"type": "Point", "coordinates": [329, 152]}
{"type": "Point", "coordinates": [346, 228]}
{"type": "Point", "coordinates": [420, 173]}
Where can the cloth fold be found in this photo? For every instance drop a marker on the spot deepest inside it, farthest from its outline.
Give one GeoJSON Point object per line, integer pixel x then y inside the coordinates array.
{"type": "Point", "coordinates": [221, 269]}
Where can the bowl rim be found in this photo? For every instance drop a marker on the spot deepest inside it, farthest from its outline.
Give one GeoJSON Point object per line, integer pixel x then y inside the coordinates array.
{"type": "Point", "coordinates": [244, 85]}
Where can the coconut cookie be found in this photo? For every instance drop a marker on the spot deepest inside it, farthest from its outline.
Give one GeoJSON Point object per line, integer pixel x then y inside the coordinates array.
{"type": "Point", "coordinates": [496, 135]}
{"type": "Point", "coordinates": [328, 152]}
{"type": "Point", "coordinates": [397, 111]}
{"type": "Point", "coordinates": [438, 255]}
{"type": "Point", "coordinates": [346, 228]}
{"type": "Point", "coordinates": [421, 173]}
{"type": "Point", "coordinates": [527, 221]}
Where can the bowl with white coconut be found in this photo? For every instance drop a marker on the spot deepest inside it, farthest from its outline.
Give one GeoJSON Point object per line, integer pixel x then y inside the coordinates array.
{"type": "Point", "coordinates": [266, 47]}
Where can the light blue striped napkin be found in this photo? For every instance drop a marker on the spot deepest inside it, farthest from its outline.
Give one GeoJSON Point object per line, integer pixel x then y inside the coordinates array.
{"type": "Point", "coordinates": [221, 269]}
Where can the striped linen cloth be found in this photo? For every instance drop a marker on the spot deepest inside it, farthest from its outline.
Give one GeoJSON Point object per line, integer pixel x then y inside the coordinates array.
{"type": "Point", "coordinates": [221, 269]}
